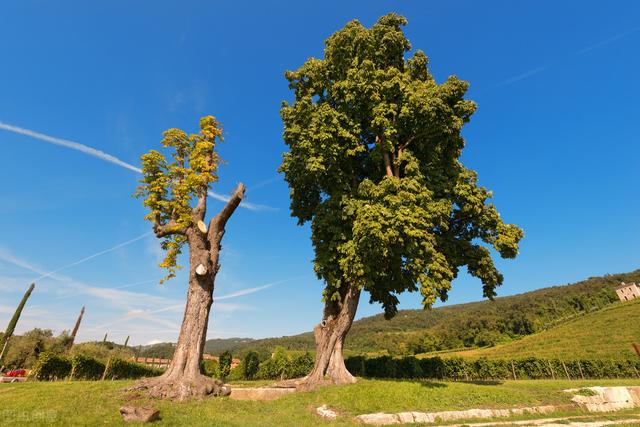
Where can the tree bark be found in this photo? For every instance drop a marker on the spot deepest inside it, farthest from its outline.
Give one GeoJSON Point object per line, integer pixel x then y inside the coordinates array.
{"type": "Point", "coordinates": [330, 335]}
{"type": "Point", "coordinates": [184, 377]}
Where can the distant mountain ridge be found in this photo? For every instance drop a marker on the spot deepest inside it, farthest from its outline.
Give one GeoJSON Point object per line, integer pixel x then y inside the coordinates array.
{"type": "Point", "coordinates": [459, 326]}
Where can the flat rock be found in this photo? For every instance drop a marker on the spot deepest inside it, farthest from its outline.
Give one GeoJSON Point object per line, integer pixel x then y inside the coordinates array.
{"type": "Point", "coordinates": [379, 418]}
{"type": "Point", "coordinates": [608, 399]}
{"type": "Point", "coordinates": [325, 412]}
{"type": "Point", "coordinates": [139, 414]}
{"type": "Point", "coordinates": [430, 417]}
{"type": "Point", "coordinates": [260, 393]}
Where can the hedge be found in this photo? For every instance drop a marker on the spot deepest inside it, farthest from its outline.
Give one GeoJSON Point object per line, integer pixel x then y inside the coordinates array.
{"type": "Point", "coordinates": [51, 367]}
{"type": "Point", "coordinates": [80, 367]}
{"type": "Point", "coordinates": [121, 369]}
{"type": "Point", "coordinates": [86, 368]}
{"type": "Point", "coordinates": [463, 369]}
{"type": "Point", "coordinates": [284, 366]}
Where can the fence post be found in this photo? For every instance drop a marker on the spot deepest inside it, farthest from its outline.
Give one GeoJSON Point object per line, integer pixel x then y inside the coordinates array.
{"type": "Point", "coordinates": [513, 369]}
{"type": "Point", "coordinates": [553, 375]}
{"type": "Point", "coordinates": [106, 368]}
{"type": "Point", "coordinates": [566, 371]}
{"type": "Point", "coordinates": [580, 368]}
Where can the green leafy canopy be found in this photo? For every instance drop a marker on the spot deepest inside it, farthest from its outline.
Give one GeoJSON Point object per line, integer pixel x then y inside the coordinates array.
{"type": "Point", "coordinates": [373, 163]}
{"type": "Point", "coordinates": [169, 186]}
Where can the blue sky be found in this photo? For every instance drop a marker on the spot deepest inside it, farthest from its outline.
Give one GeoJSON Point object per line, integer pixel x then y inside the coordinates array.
{"type": "Point", "coordinates": [555, 137]}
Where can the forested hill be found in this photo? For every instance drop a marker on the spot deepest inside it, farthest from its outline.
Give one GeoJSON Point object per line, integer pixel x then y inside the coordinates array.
{"type": "Point", "coordinates": [482, 323]}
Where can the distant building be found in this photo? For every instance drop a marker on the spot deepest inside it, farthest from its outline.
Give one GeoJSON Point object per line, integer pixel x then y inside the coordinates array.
{"type": "Point", "coordinates": [627, 291]}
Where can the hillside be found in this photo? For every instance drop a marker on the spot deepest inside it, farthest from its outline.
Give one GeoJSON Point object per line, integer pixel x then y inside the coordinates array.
{"type": "Point", "coordinates": [458, 326]}
{"type": "Point", "coordinates": [603, 334]}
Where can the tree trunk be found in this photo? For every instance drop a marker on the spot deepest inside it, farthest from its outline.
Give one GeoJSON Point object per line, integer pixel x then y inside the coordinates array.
{"type": "Point", "coordinates": [184, 377]}
{"type": "Point", "coordinates": [330, 335]}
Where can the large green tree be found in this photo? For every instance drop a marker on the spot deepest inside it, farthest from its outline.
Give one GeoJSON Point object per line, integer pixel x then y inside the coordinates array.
{"type": "Point", "coordinates": [175, 191]}
{"type": "Point", "coordinates": [374, 165]}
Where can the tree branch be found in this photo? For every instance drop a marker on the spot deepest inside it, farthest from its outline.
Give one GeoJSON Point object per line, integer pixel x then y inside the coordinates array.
{"type": "Point", "coordinates": [385, 157]}
{"type": "Point", "coordinates": [217, 223]}
{"type": "Point", "coordinates": [164, 230]}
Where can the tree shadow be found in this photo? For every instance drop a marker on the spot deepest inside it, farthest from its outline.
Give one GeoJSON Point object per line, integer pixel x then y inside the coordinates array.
{"type": "Point", "coordinates": [483, 382]}
{"type": "Point", "coordinates": [423, 382]}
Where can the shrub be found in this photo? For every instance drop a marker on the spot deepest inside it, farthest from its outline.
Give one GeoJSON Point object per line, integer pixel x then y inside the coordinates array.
{"type": "Point", "coordinates": [300, 366]}
{"type": "Point", "coordinates": [211, 368]}
{"type": "Point", "coordinates": [250, 365]}
{"type": "Point", "coordinates": [381, 367]}
{"type": "Point", "coordinates": [225, 364]}
{"type": "Point", "coordinates": [86, 368]}
{"type": "Point", "coordinates": [355, 365]}
{"type": "Point", "coordinates": [408, 367]}
{"type": "Point", "coordinates": [51, 367]}
{"type": "Point", "coordinates": [284, 366]}
{"type": "Point", "coordinates": [122, 369]}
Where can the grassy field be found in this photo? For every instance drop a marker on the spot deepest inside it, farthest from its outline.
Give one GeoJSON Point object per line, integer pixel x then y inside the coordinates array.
{"type": "Point", "coordinates": [97, 403]}
{"type": "Point", "coordinates": [604, 334]}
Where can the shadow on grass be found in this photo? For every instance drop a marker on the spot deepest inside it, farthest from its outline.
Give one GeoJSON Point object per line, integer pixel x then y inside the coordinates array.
{"type": "Point", "coordinates": [424, 383]}
{"type": "Point", "coordinates": [438, 384]}
{"type": "Point", "coordinates": [483, 382]}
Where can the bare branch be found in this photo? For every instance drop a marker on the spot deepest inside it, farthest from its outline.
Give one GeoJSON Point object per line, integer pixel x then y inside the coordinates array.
{"type": "Point", "coordinates": [217, 223]}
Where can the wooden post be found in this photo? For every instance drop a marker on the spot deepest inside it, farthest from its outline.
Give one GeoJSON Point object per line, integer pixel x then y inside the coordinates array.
{"type": "Point", "coordinates": [553, 375]}
{"type": "Point", "coordinates": [106, 368]}
{"type": "Point", "coordinates": [513, 369]}
{"type": "Point", "coordinates": [566, 371]}
{"type": "Point", "coordinates": [580, 368]}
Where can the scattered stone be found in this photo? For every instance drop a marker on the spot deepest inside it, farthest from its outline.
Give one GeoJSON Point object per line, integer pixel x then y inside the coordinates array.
{"type": "Point", "coordinates": [327, 413]}
{"type": "Point", "coordinates": [139, 414]}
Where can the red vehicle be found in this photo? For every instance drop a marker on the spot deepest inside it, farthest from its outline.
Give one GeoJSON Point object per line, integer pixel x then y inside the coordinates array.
{"type": "Point", "coordinates": [16, 373]}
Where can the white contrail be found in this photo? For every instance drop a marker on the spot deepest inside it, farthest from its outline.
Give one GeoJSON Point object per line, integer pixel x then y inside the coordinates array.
{"type": "Point", "coordinates": [70, 144]}
{"type": "Point", "coordinates": [582, 51]}
{"type": "Point", "coordinates": [97, 254]}
{"type": "Point", "coordinates": [107, 158]}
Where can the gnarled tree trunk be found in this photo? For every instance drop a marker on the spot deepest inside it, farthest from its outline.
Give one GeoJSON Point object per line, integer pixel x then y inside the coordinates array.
{"type": "Point", "coordinates": [184, 377]}
{"type": "Point", "coordinates": [329, 335]}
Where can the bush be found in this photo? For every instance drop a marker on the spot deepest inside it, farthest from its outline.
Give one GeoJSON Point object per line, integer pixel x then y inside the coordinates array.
{"type": "Point", "coordinates": [355, 365]}
{"type": "Point", "coordinates": [283, 366]}
{"type": "Point", "coordinates": [225, 364]}
{"type": "Point", "coordinates": [86, 368]}
{"type": "Point", "coordinates": [250, 365]}
{"type": "Point", "coordinates": [122, 369]}
{"type": "Point", "coordinates": [211, 368]}
{"type": "Point", "coordinates": [300, 366]}
{"type": "Point", "coordinates": [380, 367]}
{"type": "Point", "coordinates": [51, 367]}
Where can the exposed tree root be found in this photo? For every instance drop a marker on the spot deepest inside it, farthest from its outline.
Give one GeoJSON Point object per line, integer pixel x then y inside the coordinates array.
{"type": "Point", "coordinates": [309, 384]}
{"type": "Point", "coordinates": [181, 388]}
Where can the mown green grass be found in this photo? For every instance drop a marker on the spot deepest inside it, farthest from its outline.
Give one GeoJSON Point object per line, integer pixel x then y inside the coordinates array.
{"type": "Point", "coordinates": [604, 334]}
{"type": "Point", "coordinates": [97, 403]}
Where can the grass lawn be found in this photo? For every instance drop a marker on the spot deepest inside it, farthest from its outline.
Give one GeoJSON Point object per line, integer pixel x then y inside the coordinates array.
{"type": "Point", "coordinates": [97, 403]}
